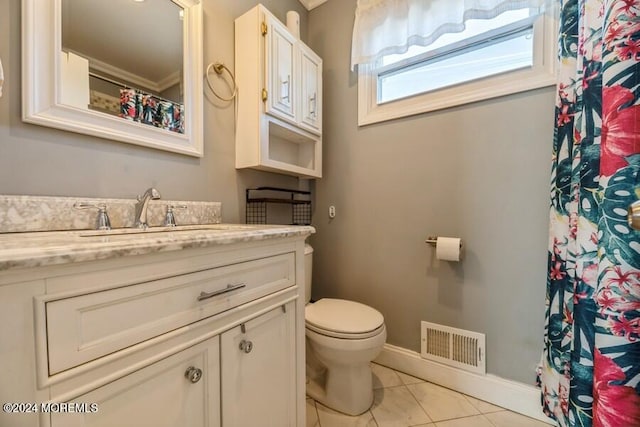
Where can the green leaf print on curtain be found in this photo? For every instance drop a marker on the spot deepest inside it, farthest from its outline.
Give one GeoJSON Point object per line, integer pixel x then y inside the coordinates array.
{"type": "Point", "coordinates": [590, 370]}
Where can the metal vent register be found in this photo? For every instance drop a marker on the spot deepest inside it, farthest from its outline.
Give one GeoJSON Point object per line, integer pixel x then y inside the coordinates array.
{"type": "Point", "coordinates": [454, 347]}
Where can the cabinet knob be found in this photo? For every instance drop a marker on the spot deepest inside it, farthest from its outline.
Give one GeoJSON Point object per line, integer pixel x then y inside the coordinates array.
{"type": "Point", "coordinates": [193, 374]}
{"type": "Point", "coordinates": [246, 346]}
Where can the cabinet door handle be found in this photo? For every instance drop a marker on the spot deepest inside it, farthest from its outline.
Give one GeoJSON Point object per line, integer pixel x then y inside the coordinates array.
{"type": "Point", "coordinates": [246, 346]}
{"type": "Point", "coordinates": [206, 295]}
{"type": "Point", "coordinates": [288, 84]}
{"type": "Point", "coordinates": [312, 106]}
{"type": "Point", "coordinates": [193, 374]}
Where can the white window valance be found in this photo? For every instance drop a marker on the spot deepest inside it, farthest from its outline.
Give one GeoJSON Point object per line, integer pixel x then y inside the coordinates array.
{"type": "Point", "coordinates": [384, 27]}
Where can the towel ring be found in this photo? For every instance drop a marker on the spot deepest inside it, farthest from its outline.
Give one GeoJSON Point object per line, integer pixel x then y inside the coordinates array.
{"type": "Point", "coordinates": [219, 68]}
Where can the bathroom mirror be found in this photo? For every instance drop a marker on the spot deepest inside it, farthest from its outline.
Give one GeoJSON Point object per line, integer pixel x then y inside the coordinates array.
{"type": "Point", "coordinates": [125, 70]}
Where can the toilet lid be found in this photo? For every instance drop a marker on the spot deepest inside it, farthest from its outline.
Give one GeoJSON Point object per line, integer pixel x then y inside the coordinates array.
{"type": "Point", "coordinates": [342, 316]}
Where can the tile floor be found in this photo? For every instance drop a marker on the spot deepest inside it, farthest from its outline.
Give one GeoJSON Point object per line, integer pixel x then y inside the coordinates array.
{"type": "Point", "coordinates": [404, 401]}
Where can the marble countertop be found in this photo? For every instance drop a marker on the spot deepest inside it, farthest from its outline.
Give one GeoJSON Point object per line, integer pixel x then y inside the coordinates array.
{"type": "Point", "coordinates": [36, 249]}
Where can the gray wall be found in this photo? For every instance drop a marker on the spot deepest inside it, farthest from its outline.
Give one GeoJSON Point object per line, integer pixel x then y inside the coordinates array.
{"type": "Point", "coordinates": [36, 160]}
{"type": "Point", "coordinates": [479, 171]}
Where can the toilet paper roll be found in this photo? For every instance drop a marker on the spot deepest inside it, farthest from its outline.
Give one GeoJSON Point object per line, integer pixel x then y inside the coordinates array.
{"type": "Point", "coordinates": [449, 248]}
{"type": "Point", "coordinates": [293, 23]}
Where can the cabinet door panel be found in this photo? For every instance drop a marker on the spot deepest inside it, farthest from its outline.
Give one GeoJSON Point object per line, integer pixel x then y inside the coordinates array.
{"type": "Point", "coordinates": [281, 71]}
{"type": "Point", "coordinates": [258, 383]}
{"type": "Point", "coordinates": [311, 90]}
{"type": "Point", "coordinates": [159, 395]}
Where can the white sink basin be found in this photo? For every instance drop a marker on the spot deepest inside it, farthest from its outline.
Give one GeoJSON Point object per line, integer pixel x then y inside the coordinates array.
{"type": "Point", "coordinates": [200, 227]}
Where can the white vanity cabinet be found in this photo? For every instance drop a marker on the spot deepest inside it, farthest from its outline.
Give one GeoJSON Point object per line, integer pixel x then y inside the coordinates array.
{"type": "Point", "coordinates": [258, 371]}
{"type": "Point", "coordinates": [249, 369]}
{"type": "Point", "coordinates": [279, 98]}
{"type": "Point", "coordinates": [207, 336]}
{"type": "Point", "coordinates": [181, 390]}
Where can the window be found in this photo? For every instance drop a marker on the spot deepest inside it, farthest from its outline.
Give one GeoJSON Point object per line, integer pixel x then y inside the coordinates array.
{"type": "Point", "coordinates": [510, 53]}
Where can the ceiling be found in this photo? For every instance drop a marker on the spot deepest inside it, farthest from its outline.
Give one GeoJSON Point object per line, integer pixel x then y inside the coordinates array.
{"type": "Point", "coordinates": [141, 38]}
{"type": "Point", "coordinates": [311, 4]}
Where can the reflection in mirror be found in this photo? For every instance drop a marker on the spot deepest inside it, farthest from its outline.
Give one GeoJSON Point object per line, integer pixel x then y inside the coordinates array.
{"type": "Point", "coordinates": [124, 58]}
{"type": "Point", "coordinates": [56, 86]}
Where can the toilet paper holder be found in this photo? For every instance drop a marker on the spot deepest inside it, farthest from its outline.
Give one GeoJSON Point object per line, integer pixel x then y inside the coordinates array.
{"type": "Point", "coordinates": [433, 240]}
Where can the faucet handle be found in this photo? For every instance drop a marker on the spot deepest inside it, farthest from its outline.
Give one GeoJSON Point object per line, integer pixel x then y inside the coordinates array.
{"type": "Point", "coordinates": [170, 219]}
{"type": "Point", "coordinates": [102, 221]}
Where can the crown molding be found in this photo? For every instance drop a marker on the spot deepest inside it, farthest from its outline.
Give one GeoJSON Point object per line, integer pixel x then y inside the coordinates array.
{"type": "Point", "coordinates": [311, 4]}
{"type": "Point", "coordinates": [134, 79]}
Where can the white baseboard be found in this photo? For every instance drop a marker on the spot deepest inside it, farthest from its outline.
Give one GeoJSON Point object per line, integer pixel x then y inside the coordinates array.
{"type": "Point", "coordinates": [514, 396]}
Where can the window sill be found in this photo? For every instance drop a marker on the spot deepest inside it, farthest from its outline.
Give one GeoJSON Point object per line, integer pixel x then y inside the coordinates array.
{"type": "Point", "coordinates": [370, 112]}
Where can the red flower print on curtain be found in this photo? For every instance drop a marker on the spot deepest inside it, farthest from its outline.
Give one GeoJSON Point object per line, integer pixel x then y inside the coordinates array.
{"type": "Point", "coordinates": [590, 369]}
{"type": "Point", "coordinates": [613, 404]}
{"type": "Point", "coordinates": [619, 128]}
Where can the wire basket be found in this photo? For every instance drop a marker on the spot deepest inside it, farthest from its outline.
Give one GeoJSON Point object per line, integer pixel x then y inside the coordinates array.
{"type": "Point", "coordinates": [259, 200]}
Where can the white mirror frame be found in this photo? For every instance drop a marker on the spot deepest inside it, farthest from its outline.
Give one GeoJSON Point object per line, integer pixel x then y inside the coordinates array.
{"type": "Point", "coordinates": [41, 84]}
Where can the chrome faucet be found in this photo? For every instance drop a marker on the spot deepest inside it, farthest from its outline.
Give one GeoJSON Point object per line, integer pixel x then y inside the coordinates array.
{"type": "Point", "coordinates": [141, 207]}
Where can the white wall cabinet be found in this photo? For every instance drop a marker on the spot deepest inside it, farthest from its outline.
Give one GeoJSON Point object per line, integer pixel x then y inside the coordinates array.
{"type": "Point", "coordinates": [279, 98]}
{"type": "Point", "coordinates": [199, 337]}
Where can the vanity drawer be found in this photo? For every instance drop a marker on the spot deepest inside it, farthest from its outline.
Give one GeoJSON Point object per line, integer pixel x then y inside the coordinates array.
{"type": "Point", "coordinates": [85, 327]}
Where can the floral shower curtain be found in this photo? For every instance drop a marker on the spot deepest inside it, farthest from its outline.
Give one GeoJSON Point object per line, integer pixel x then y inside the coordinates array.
{"type": "Point", "coordinates": [151, 110]}
{"type": "Point", "coordinates": [590, 371]}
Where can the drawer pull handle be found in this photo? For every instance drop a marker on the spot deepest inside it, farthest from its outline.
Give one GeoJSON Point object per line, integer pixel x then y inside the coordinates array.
{"type": "Point", "coordinates": [193, 374]}
{"type": "Point", "coordinates": [229, 288]}
{"type": "Point", "coordinates": [246, 346]}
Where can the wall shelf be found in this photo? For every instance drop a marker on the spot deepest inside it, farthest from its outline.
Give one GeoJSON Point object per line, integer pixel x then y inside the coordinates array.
{"type": "Point", "coordinates": [258, 200]}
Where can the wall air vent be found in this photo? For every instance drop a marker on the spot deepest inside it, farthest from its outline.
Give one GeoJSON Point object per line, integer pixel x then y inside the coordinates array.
{"type": "Point", "coordinates": [454, 347]}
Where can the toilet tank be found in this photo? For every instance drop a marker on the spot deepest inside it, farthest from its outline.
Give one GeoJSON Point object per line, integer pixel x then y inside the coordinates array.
{"type": "Point", "coordinates": [308, 265]}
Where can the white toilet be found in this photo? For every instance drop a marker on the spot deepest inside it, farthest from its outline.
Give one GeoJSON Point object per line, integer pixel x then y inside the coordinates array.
{"type": "Point", "coordinates": [343, 337]}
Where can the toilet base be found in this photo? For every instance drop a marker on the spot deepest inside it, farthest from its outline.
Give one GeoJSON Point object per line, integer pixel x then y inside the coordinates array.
{"type": "Point", "coordinates": [345, 389]}
{"type": "Point", "coordinates": [342, 371]}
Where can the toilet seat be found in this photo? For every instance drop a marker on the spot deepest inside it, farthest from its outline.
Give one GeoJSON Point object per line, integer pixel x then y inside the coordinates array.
{"type": "Point", "coordinates": [333, 334]}
{"type": "Point", "coordinates": [344, 319]}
